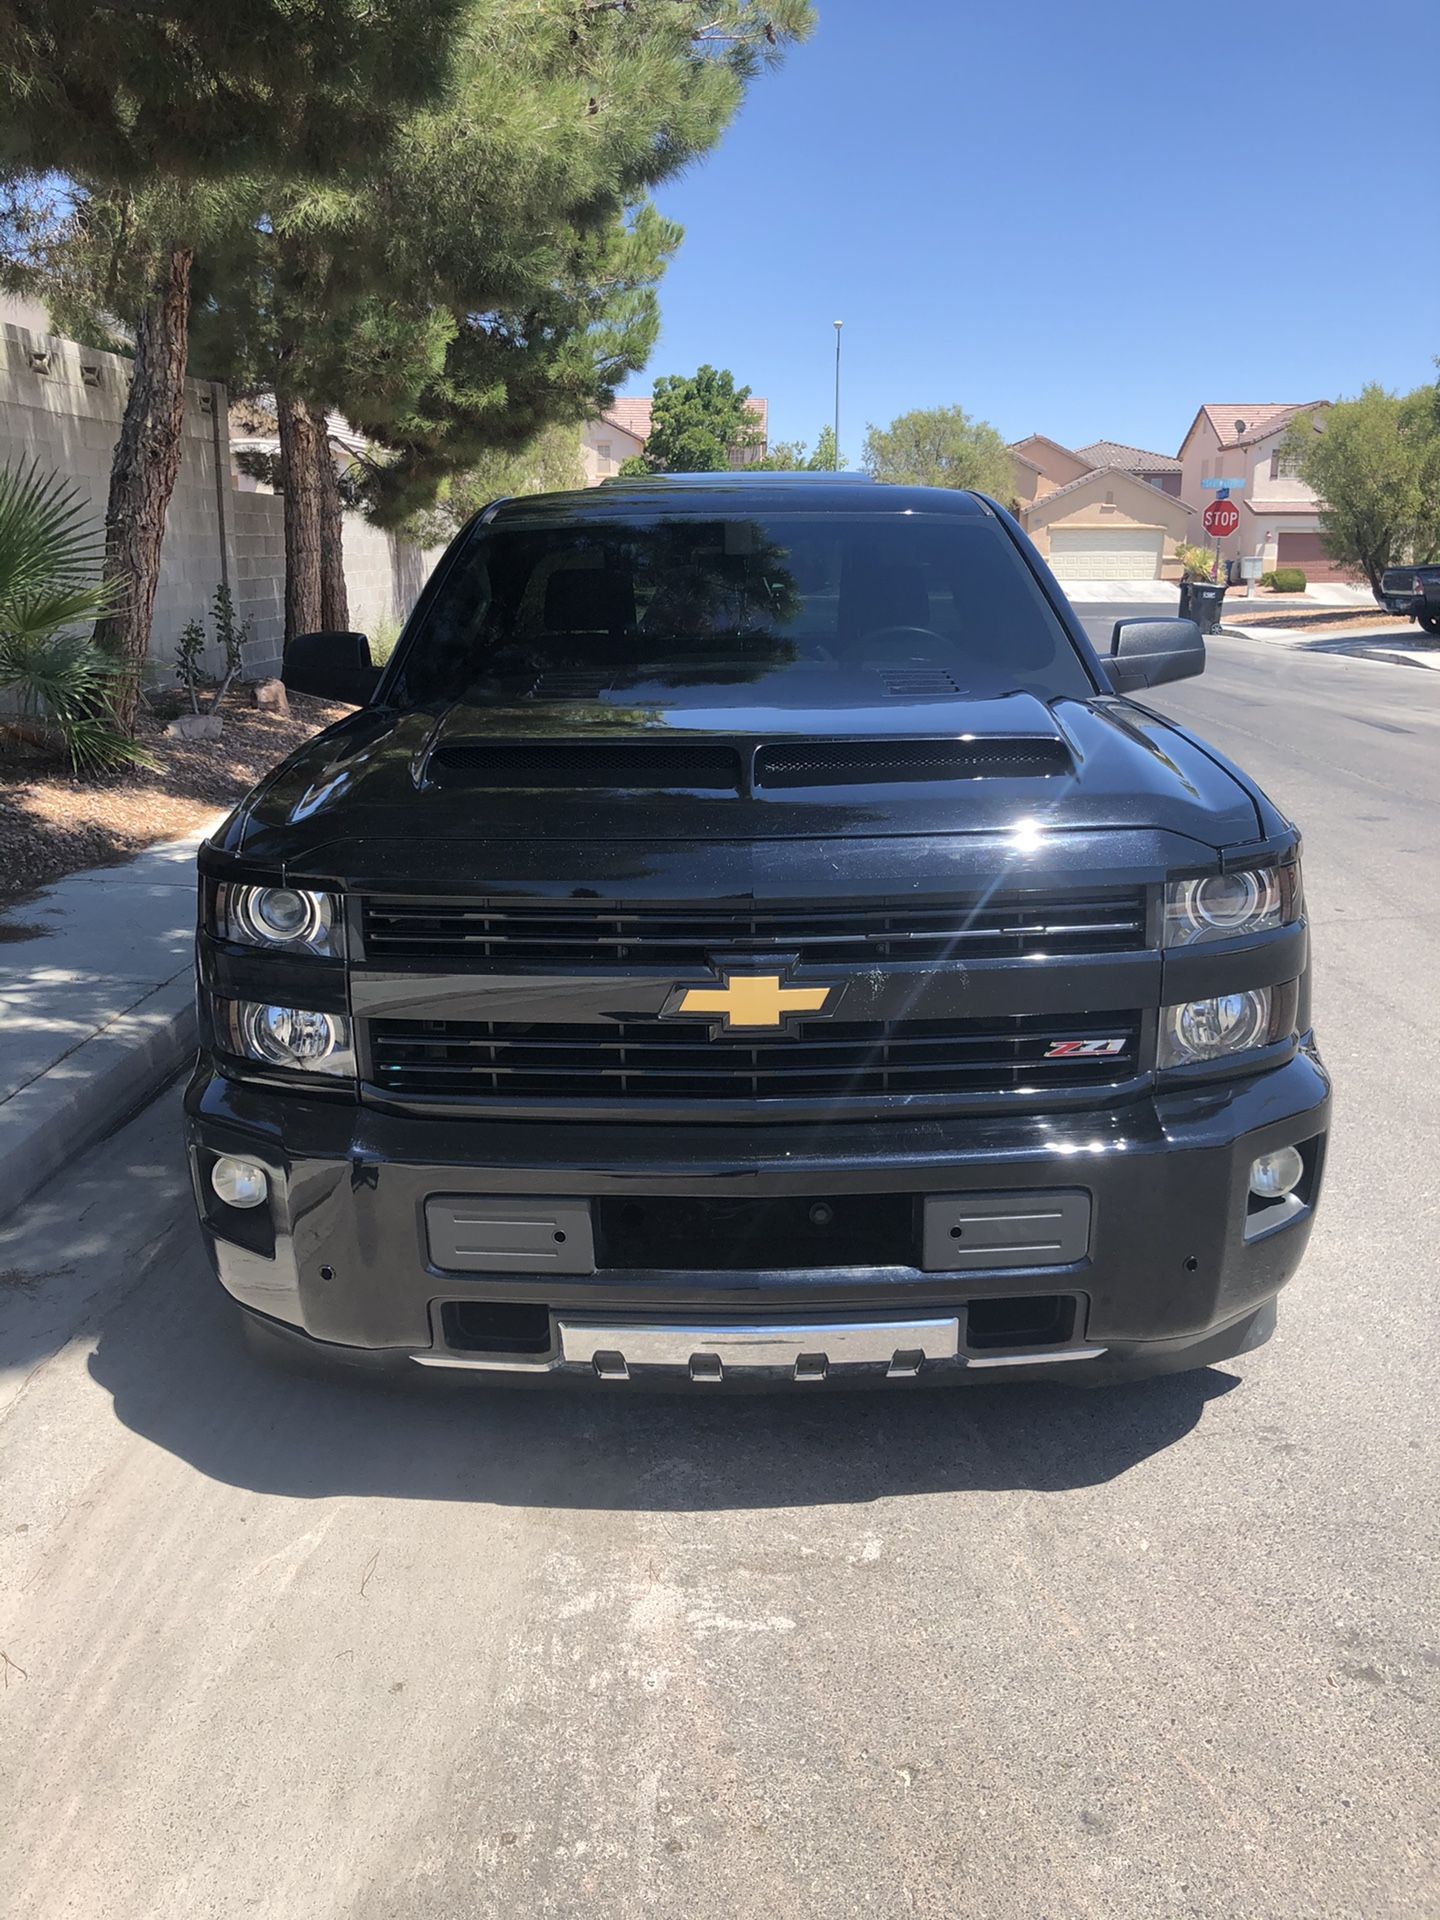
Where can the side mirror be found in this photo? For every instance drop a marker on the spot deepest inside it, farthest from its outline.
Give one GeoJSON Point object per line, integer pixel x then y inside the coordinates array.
{"type": "Point", "coordinates": [332, 666]}
{"type": "Point", "coordinates": [1146, 653]}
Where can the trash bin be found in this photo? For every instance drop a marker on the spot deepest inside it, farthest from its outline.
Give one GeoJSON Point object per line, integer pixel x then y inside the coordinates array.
{"type": "Point", "coordinates": [1202, 602]}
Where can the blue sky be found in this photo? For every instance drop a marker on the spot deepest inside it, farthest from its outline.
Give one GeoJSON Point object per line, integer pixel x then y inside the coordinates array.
{"type": "Point", "coordinates": [1006, 204]}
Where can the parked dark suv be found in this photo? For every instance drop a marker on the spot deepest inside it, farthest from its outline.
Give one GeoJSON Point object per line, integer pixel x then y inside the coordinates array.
{"type": "Point", "coordinates": [746, 934]}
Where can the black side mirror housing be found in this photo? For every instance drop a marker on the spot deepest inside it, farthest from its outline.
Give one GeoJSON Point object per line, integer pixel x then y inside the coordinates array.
{"type": "Point", "coordinates": [1146, 653]}
{"type": "Point", "coordinates": [332, 666]}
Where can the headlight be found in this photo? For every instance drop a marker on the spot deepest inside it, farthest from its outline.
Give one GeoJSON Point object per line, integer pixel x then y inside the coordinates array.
{"type": "Point", "coordinates": [285, 919]}
{"type": "Point", "coordinates": [1228, 1023]}
{"type": "Point", "coordinates": [296, 1038]}
{"type": "Point", "coordinates": [1225, 906]}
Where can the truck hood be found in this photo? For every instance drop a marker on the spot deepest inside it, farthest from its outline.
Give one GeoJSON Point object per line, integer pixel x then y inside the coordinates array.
{"type": "Point", "coordinates": [418, 779]}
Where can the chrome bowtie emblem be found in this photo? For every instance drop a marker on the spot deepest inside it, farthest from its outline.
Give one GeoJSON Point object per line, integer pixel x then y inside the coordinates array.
{"type": "Point", "coordinates": [747, 1003]}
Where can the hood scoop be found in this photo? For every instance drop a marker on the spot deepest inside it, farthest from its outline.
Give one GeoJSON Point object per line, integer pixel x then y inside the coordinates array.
{"type": "Point", "coordinates": [580, 683]}
{"type": "Point", "coordinates": [720, 766]}
{"type": "Point", "coordinates": [918, 683]}
{"type": "Point", "coordinates": [864, 763]}
{"type": "Point", "coordinates": [660, 766]}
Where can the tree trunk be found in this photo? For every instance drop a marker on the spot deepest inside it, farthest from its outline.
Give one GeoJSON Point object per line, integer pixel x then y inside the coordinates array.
{"type": "Point", "coordinates": [143, 472]}
{"type": "Point", "coordinates": [300, 478]}
{"type": "Point", "coordinates": [334, 601]}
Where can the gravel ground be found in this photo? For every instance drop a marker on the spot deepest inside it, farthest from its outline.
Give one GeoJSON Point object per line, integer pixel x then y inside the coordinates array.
{"type": "Point", "coordinates": [53, 823]}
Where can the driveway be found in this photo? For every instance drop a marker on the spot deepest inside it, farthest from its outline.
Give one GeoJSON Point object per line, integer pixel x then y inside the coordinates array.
{"type": "Point", "coordinates": [276, 1648]}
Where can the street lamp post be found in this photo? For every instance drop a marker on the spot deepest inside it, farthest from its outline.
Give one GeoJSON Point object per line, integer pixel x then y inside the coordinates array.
{"type": "Point", "coordinates": [836, 461]}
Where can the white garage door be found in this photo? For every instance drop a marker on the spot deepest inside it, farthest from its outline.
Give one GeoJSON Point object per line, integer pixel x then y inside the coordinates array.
{"type": "Point", "coordinates": [1106, 553]}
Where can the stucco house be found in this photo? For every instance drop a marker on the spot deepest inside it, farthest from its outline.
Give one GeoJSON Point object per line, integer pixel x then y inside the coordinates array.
{"type": "Point", "coordinates": [1279, 514]}
{"type": "Point", "coordinates": [606, 442]}
{"type": "Point", "coordinates": [1102, 512]}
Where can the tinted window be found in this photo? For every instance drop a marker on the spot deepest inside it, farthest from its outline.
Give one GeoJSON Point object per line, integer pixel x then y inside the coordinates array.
{"type": "Point", "coordinates": [718, 601]}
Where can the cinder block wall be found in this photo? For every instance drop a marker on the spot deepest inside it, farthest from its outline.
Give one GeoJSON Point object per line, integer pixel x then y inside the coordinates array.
{"type": "Point", "coordinates": [61, 405]}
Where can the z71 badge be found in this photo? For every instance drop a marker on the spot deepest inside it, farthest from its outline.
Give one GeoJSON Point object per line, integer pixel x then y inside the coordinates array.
{"type": "Point", "coordinates": [1083, 1049]}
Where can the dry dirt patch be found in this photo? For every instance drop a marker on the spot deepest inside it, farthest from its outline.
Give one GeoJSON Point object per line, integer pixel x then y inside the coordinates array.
{"type": "Point", "coordinates": [53, 823]}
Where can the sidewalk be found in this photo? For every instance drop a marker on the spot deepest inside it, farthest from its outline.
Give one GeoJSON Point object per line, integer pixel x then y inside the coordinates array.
{"type": "Point", "coordinates": [1395, 645]}
{"type": "Point", "coordinates": [96, 1007]}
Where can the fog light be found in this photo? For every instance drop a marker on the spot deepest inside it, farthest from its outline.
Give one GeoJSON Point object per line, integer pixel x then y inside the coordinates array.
{"type": "Point", "coordinates": [240, 1183]}
{"type": "Point", "coordinates": [1273, 1175]}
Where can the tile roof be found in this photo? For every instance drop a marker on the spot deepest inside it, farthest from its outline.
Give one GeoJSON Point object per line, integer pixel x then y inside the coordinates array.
{"type": "Point", "coordinates": [1114, 453]}
{"type": "Point", "coordinates": [632, 415]}
{"type": "Point", "coordinates": [1255, 421]}
{"type": "Point", "coordinates": [1104, 473]}
{"type": "Point", "coordinates": [1044, 499]}
{"type": "Point", "coordinates": [619, 426]}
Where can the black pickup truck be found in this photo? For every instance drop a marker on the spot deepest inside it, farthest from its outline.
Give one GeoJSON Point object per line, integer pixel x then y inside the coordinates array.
{"type": "Point", "coordinates": [747, 935]}
{"type": "Point", "coordinates": [1413, 592]}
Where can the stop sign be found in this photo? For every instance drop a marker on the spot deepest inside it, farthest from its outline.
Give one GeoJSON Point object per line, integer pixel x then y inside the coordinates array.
{"type": "Point", "coordinates": [1220, 518]}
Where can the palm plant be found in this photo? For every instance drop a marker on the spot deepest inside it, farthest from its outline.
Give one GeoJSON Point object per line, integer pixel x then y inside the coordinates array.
{"type": "Point", "coordinates": [61, 683]}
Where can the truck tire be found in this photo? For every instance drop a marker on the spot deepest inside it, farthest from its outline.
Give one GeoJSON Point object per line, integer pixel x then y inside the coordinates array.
{"type": "Point", "coordinates": [1429, 621]}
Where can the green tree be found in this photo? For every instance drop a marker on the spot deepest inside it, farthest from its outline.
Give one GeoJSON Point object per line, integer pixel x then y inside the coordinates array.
{"type": "Point", "coordinates": [940, 447]}
{"type": "Point", "coordinates": [493, 270]}
{"type": "Point", "coordinates": [1375, 463]}
{"type": "Point", "coordinates": [697, 423]}
{"type": "Point", "coordinates": [827, 457]}
{"type": "Point", "coordinates": [550, 463]}
{"type": "Point", "coordinates": [793, 456]}
{"type": "Point", "coordinates": [156, 109]}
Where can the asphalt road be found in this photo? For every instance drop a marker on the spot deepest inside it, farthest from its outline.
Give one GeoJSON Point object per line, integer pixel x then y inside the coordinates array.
{"type": "Point", "coordinates": [275, 1648]}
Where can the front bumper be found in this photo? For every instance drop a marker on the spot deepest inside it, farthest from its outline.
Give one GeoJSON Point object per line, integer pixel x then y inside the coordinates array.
{"type": "Point", "coordinates": [1177, 1266]}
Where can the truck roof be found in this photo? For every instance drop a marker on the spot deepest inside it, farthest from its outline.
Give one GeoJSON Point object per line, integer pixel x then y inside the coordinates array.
{"type": "Point", "coordinates": [703, 494]}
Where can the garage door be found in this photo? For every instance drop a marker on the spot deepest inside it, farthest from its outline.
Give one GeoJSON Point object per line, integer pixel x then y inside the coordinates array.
{"type": "Point", "coordinates": [1304, 550]}
{"type": "Point", "coordinates": [1106, 553]}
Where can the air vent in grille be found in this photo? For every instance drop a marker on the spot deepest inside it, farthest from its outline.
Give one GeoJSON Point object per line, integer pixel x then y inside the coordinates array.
{"type": "Point", "coordinates": [829, 1060]}
{"type": "Point", "coordinates": [575, 764]}
{"type": "Point", "coordinates": [504, 935]}
{"type": "Point", "coordinates": [853, 763]}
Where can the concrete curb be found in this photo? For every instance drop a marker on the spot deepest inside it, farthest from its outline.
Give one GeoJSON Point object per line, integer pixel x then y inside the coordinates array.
{"type": "Point", "coordinates": [88, 1093]}
{"type": "Point", "coordinates": [1337, 642]}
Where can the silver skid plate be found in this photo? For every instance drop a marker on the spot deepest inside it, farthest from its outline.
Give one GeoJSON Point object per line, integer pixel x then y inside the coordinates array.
{"type": "Point", "coordinates": [805, 1350]}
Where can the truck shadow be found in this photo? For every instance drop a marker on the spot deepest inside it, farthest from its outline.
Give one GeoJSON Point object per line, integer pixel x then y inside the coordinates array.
{"type": "Point", "coordinates": [173, 1361]}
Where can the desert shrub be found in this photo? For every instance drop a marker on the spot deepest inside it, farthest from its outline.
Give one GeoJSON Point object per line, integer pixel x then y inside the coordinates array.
{"type": "Point", "coordinates": [1284, 580]}
{"type": "Point", "coordinates": [1196, 563]}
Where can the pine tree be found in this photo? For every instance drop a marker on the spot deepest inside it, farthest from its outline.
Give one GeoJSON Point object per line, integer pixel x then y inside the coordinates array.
{"type": "Point", "coordinates": [490, 271]}
{"type": "Point", "coordinates": [149, 110]}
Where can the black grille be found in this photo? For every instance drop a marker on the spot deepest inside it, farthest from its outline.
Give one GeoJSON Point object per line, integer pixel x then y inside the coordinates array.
{"type": "Point", "coordinates": [502, 935]}
{"type": "Point", "coordinates": [849, 763]}
{"type": "Point", "coordinates": [778, 1233]}
{"type": "Point", "coordinates": [572, 764]}
{"type": "Point", "coordinates": [826, 1060]}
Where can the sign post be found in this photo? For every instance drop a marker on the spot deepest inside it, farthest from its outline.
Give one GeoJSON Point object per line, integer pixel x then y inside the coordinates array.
{"type": "Point", "coordinates": [1222, 517]}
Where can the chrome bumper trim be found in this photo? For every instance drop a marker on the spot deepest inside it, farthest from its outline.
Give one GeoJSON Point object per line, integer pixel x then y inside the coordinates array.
{"type": "Point", "coordinates": [806, 1350]}
{"type": "Point", "coordinates": [1045, 1358]}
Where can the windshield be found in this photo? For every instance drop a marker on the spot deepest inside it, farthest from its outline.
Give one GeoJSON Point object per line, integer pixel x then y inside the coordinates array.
{"type": "Point", "coordinates": [798, 601]}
